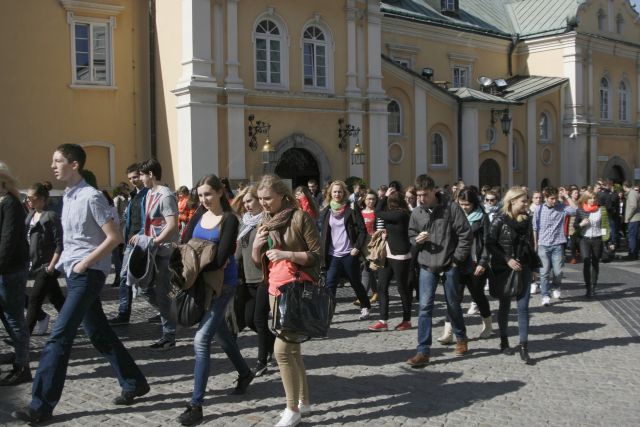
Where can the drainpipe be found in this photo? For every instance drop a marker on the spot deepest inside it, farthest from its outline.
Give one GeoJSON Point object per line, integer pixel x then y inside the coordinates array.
{"type": "Point", "coordinates": [515, 38]}
{"type": "Point", "coordinates": [152, 80]}
{"type": "Point", "coordinates": [459, 175]}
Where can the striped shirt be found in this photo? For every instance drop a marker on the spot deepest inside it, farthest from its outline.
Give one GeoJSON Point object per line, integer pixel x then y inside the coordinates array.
{"type": "Point", "coordinates": [548, 223]}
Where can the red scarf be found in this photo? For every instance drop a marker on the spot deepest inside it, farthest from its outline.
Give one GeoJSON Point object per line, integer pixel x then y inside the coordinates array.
{"type": "Point", "coordinates": [589, 209]}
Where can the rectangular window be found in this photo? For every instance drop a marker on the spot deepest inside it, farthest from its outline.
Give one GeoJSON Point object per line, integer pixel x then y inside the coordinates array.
{"type": "Point", "coordinates": [460, 77]}
{"type": "Point", "coordinates": [92, 53]}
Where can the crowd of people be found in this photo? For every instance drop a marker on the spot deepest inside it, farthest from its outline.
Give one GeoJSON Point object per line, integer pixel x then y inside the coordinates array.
{"type": "Point", "coordinates": [267, 235]}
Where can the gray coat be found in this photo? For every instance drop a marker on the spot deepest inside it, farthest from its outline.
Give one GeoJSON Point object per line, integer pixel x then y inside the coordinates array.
{"type": "Point", "coordinates": [450, 236]}
{"type": "Point", "coordinates": [632, 208]}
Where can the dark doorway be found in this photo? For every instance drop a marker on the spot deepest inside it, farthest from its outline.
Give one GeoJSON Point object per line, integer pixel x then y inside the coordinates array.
{"type": "Point", "coordinates": [298, 165]}
{"type": "Point", "coordinates": [616, 174]}
{"type": "Point", "coordinates": [545, 183]}
{"type": "Point", "coordinates": [490, 174]}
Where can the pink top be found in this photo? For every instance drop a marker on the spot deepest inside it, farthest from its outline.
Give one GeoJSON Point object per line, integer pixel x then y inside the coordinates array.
{"type": "Point", "coordinates": [282, 272]}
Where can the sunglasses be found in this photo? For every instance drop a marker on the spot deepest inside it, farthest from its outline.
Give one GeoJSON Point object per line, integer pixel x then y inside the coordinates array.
{"type": "Point", "coordinates": [490, 200]}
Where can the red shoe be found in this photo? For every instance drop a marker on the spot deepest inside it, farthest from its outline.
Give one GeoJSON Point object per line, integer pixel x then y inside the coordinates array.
{"type": "Point", "coordinates": [573, 261]}
{"type": "Point", "coordinates": [379, 326]}
{"type": "Point", "coordinates": [404, 326]}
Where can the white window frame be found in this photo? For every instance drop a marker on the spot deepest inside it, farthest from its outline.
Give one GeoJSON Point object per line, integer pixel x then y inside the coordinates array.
{"type": "Point", "coordinates": [605, 99]}
{"type": "Point", "coordinates": [329, 47]}
{"type": "Point", "coordinates": [110, 25]}
{"type": "Point", "coordinates": [456, 79]}
{"type": "Point", "coordinates": [448, 5]}
{"type": "Point", "coordinates": [545, 128]}
{"type": "Point", "coordinates": [432, 150]}
{"type": "Point", "coordinates": [283, 38]}
{"type": "Point", "coordinates": [624, 96]}
{"type": "Point", "coordinates": [400, 127]}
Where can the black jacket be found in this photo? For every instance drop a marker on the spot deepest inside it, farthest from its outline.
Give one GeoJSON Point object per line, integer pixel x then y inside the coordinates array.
{"type": "Point", "coordinates": [480, 230]}
{"type": "Point", "coordinates": [354, 224]}
{"type": "Point", "coordinates": [505, 243]}
{"type": "Point", "coordinates": [14, 250]}
{"type": "Point", "coordinates": [45, 238]}
{"type": "Point", "coordinates": [396, 222]}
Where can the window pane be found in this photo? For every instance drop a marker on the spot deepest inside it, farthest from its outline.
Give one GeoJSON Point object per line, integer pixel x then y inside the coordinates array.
{"type": "Point", "coordinates": [275, 78]}
{"type": "Point", "coordinates": [82, 31]}
{"type": "Point", "coordinates": [261, 76]}
{"type": "Point", "coordinates": [82, 73]}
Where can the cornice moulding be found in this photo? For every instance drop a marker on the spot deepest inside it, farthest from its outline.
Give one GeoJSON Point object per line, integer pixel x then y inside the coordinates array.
{"type": "Point", "coordinates": [91, 7]}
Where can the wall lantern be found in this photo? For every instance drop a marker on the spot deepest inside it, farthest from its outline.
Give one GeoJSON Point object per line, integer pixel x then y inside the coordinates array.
{"type": "Point", "coordinates": [345, 131]}
{"type": "Point", "coordinates": [505, 120]}
{"type": "Point", "coordinates": [257, 127]}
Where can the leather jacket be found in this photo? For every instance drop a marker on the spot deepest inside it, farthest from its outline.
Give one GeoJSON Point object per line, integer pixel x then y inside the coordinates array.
{"type": "Point", "coordinates": [505, 243]}
{"type": "Point", "coordinates": [45, 238]}
{"type": "Point", "coordinates": [354, 224]}
{"type": "Point", "coordinates": [480, 231]}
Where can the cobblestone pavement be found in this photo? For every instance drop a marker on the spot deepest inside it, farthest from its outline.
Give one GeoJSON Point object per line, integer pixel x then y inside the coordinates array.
{"type": "Point", "coordinates": [587, 371]}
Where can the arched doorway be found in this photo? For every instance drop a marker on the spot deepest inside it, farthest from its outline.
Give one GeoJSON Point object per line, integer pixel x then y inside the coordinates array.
{"type": "Point", "coordinates": [545, 183]}
{"type": "Point", "coordinates": [617, 170]}
{"type": "Point", "coordinates": [490, 174]}
{"type": "Point", "coordinates": [298, 165]}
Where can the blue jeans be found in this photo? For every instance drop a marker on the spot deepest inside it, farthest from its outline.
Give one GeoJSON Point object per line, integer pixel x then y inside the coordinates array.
{"type": "Point", "coordinates": [82, 306]}
{"type": "Point", "coordinates": [632, 236]}
{"type": "Point", "coordinates": [213, 323]}
{"type": "Point", "coordinates": [125, 292]}
{"type": "Point", "coordinates": [12, 291]}
{"type": "Point", "coordinates": [348, 266]}
{"type": "Point", "coordinates": [428, 283]}
{"type": "Point", "coordinates": [523, 310]}
{"type": "Point", "coordinates": [552, 257]}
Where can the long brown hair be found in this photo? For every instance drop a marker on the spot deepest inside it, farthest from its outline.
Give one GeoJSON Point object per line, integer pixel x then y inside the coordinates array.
{"type": "Point", "coordinates": [214, 182]}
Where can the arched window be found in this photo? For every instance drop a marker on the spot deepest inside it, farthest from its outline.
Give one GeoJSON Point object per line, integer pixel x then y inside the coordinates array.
{"type": "Point", "coordinates": [544, 131]}
{"type": "Point", "coordinates": [394, 125]}
{"type": "Point", "coordinates": [315, 51]}
{"type": "Point", "coordinates": [602, 20]}
{"type": "Point", "coordinates": [270, 54]}
{"type": "Point", "coordinates": [623, 98]}
{"type": "Point", "coordinates": [604, 99]}
{"type": "Point", "coordinates": [438, 150]}
{"type": "Point", "coordinates": [619, 24]}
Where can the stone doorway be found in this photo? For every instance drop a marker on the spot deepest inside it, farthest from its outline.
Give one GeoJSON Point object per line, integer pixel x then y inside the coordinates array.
{"type": "Point", "coordinates": [490, 174]}
{"type": "Point", "coordinates": [298, 165]}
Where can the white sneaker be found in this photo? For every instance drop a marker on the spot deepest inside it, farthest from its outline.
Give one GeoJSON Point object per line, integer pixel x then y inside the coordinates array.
{"type": "Point", "coordinates": [546, 301]}
{"type": "Point", "coordinates": [304, 409]}
{"type": "Point", "coordinates": [41, 326]}
{"type": "Point", "coordinates": [534, 288]}
{"type": "Point", "coordinates": [556, 294]}
{"type": "Point", "coordinates": [473, 309]}
{"type": "Point", "coordinates": [289, 418]}
{"type": "Point", "coordinates": [364, 314]}
{"type": "Point", "coordinates": [486, 286]}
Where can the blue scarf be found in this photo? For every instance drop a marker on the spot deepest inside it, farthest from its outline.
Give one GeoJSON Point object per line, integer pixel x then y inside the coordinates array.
{"type": "Point", "coordinates": [475, 216]}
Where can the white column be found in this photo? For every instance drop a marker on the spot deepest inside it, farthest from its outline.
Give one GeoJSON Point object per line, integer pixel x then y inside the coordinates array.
{"type": "Point", "coordinates": [374, 49]}
{"type": "Point", "coordinates": [573, 70]}
{"type": "Point", "coordinates": [510, 155]}
{"type": "Point", "coordinates": [421, 124]}
{"type": "Point", "coordinates": [637, 154]}
{"type": "Point", "coordinates": [352, 84]}
{"type": "Point", "coordinates": [218, 38]}
{"type": "Point", "coordinates": [235, 99]}
{"type": "Point", "coordinates": [196, 94]}
{"type": "Point", "coordinates": [590, 86]}
{"type": "Point", "coordinates": [532, 142]}
{"type": "Point", "coordinates": [593, 157]}
{"type": "Point", "coordinates": [470, 146]}
{"type": "Point", "coordinates": [378, 150]}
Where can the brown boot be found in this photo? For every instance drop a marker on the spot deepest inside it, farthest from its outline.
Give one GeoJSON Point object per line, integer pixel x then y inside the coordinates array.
{"type": "Point", "coordinates": [418, 361]}
{"type": "Point", "coordinates": [461, 346]}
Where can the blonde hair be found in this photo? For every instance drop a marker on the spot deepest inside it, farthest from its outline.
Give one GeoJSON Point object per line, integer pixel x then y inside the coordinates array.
{"type": "Point", "coordinates": [237, 204]}
{"type": "Point", "coordinates": [8, 181]}
{"type": "Point", "coordinates": [342, 185]}
{"type": "Point", "coordinates": [587, 194]}
{"type": "Point", "coordinates": [513, 194]}
{"type": "Point", "coordinates": [276, 184]}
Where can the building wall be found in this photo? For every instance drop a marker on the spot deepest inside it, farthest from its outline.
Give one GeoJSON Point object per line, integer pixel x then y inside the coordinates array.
{"type": "Point", "coordinates": [40, 110]}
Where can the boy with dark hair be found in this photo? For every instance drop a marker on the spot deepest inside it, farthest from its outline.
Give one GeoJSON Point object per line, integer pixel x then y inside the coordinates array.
{"type": "Point", "coordinates": [441, 232]}
{"type": "Point", "coordinates": [90, 234]}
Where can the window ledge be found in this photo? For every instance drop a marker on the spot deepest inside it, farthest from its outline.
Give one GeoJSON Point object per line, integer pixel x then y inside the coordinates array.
{"type": "Point", "coordinates": [545, 141]}
{"type": "Point", "coordinates": [317, 90]}
{"type": "Point", "coordinates": [439, 167]}
{"type": "Point", "coordinates": [278, 88]}
{"type": "Point", "coordinates": [98, 87]}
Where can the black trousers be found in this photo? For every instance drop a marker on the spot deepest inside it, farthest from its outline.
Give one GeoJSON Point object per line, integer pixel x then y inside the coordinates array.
{"type": "Point", "coordinates": [591, 251]}
{"type": "Point", "coordinates": [44, 285]}
{"type": "Point", "coordinates": [399, 269]}
{"type": "Point", "coordinates": [252, 311]}
{"type": "Point", "coordinates": [476, 289]}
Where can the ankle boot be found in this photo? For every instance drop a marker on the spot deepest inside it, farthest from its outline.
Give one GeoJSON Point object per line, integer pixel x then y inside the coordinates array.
{"type": "Point", "coordinates": [589, 293]}
{"type": "Point", "coordinates": [594, 282]}
{"type": "Point", "coordinates": [487, 329]}
{"type": "Point", "coordinates": [447, 334]}
{"type": "Point", "coordinates": [504, 346]}
{"type": "Point", "coordinates": [524, 354]}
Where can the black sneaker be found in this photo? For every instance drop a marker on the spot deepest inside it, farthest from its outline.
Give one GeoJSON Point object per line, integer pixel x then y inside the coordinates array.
{"type": "Point", "coordinates": [18, 375]}
{"type": "Point", "coordinates": [119, 320]}
{"type": "Point", "coordinates": [191, 416]}
{"type": "Point", "coordinates": [30, 416]}
{"type": "Point", "coordinates": [127, 397]}
{"type": "Point", "coordinates": [154, 319]}
{"type": "Point", "coordinates": [260, 369]}
{"type": "Point", "coordinates": [243, 384]}
{"type": "Point", "coordinates": [163, 343]}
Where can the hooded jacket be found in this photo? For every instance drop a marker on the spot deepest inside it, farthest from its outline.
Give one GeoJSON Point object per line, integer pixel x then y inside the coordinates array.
{"type": "Point", "coordinates": [449, 235]}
